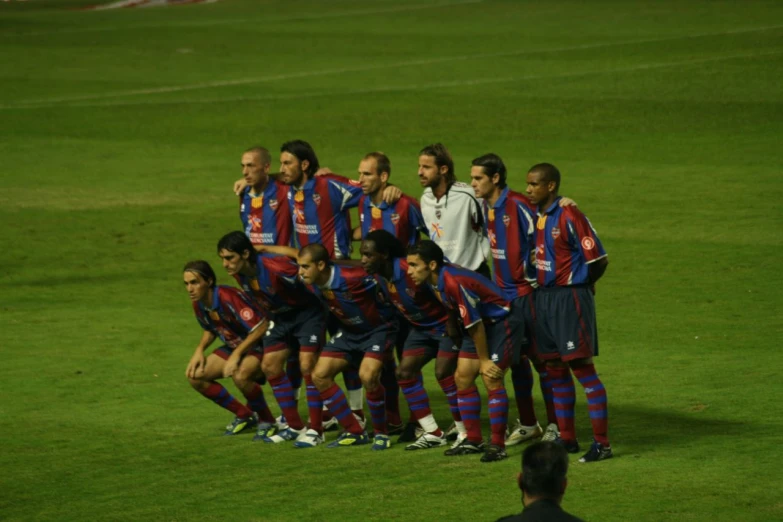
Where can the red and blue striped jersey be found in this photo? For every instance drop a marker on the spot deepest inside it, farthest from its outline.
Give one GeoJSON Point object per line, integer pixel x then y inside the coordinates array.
{"type": "Point", "coordinates": [402, 219]}
{"type": "Point", "coordinates": [232, 315]}
{"type": "Point", "coordinates": [277, 286]}
{"type": "Point", "coordinates": [266, 218]}
{"type": "Point", "coordinates": [353, 296]}
{"type": "Point", "coordinates": [511, 231]}
{"type": "Point", "coordinates": [475, 296]}
{"type": "Point", "coordinates": [417, 304]}
{"type": "Point", "coordinates": [565, 244]}
{"type": "Point", "coordinates": [320, 213]}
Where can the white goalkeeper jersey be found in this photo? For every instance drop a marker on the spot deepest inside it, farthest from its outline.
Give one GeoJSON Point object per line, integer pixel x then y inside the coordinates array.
{"type": "Point", "coordinates": [455, 223]}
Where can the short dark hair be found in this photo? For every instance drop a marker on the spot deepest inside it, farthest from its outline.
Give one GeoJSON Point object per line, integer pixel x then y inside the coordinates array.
{"type": "Point", "coordinates": [548, 173]}
{"type": "Point", "coordinates": [263, 154]}
{"type": "Point", "coordinates": [236, 242]}
{"type": "Point", "coordinates": [316, 251]}
{"type": "Point", "coordinates": [386, 243]}
{"type": "Point", "coordinates": [492, 164]}
{"type": "Point", "coordinates": [303, 151]}
{"type": "Point", "coordinates": [428, 250]}
{"type": "Point", "coordinates": [203, 269]}
{"type": "Point", "coordinates": [382, 162]}
{"type": "Point", "coordinates": [544, 468]}
{"type": "Point", "coordinates": [442, 157]}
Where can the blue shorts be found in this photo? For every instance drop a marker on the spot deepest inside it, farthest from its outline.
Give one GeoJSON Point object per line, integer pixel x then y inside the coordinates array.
{"type": "Point", "coordinates": [526, 309]}
{"type": "Point", "coordinates": [430, 344]}
{"type": "Point", "coordinates": [505, 339]}
{"type": "Point", "coordinates": [565, 323]}
{"type": "Point", "coordinates": [302, 329]}
{"type": "Point", "coordinates": [353, 347]}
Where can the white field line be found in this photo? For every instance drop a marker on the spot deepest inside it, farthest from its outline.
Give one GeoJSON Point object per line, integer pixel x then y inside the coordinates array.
{"type": "Point", "coordinates": [247, 21]}
{"type": "Point", "coordinates": [364, 68]}
{"type": "Point", "coordinates": [404, 88]}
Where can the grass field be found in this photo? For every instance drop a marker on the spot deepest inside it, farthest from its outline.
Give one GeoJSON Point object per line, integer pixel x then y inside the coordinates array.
{"type": "Point", "coordinates": [122, 132]}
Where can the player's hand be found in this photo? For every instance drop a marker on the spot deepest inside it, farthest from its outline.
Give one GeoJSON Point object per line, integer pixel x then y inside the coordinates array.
{"type": "Point", "coordinates": [491, 370]}
{"type": "Point", "coordinates": [323, 171]}
{"type": "Point", "coordinates": [231, 366]}
{"type": "Point", "coordinates": [239, 186]}
{"type": "Point", "coordinates": [196, 366]}
{"type": "Point", "coordinates": [391, 194]}
{"type": "Point", "coordinates": [567, 202]}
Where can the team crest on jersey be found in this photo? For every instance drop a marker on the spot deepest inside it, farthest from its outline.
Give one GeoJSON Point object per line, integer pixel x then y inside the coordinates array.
{"type": "Point", "coordinates": [246, 314]}
{"type": "Point", "coordinates": [506, 220]}
{"type": "Point", "coordinates": [273, 204]}
{"type": "Point", "coordinates": [257, 202]}
{"type": "Point", "coordinates": [395, 218]}
{"type": "Point", "coordinates": [491, 215]}
{"type": "Point", "coordinates": [588, 243]}
{"type": "Point", "coordinates": [376, 213]}
{"type": "Point", "coordinates": [317, 199]}
{"type": "Point", "coordinates": [299, 196]}
{"type": "Point", "coordinates": [555, 232]}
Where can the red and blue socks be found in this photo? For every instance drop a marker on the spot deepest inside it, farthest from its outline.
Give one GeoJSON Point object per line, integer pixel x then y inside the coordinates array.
{"type": "Point", "coordinates": [596, 402]}
{"type": "Point", "coordinates": [284, 394]}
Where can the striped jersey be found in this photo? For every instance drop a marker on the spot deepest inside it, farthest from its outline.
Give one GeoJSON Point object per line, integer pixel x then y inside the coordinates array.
{"type": "Point", "coordinates": [276, 284]}
{"type": "Point", "coordinates": [417, 304]}
{"type": "Point", "coordinates": [472, 294]}
{"type": "Point", "coordinates": [266, 218]}
{"type": "Point", "coordinates": [565, 244]}
{"type": "Point", "coordinates": [231, 316]}
{"type": "Point", "coordinates": [402, 219]}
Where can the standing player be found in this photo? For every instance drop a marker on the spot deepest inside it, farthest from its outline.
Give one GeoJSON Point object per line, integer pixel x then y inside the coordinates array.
{"type": "Point", "coordinates": [297, 324]}
{"type": "Point", "coordinates": [367, 331]}
{"type": "Point", "coordinates": [451, 213]}
{"type": "Point", "coordinates": [384, 255]}
{"type": "Point", "coordinates": [569, 261]}
{"type": "Point", "coordinates": [508, 218]}
{"type": "Point", "coordinates": [497, 334]}
{"type": "Point", "coordinates": [227, 313]}
{"type": "Point", "coordinates": [263, 202]}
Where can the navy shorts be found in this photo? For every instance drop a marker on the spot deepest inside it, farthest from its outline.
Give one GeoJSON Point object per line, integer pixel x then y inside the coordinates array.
{"type": "Point", "coordinates": [353, 347]}
{"type": "Point", "coordinates": [429, 344]}
{"type": "Point", "coordinates": [505, 339]}
{"type": "Point", "coordinates": [565, 323]}
{"type": "Point", "coordinates": [224, 352]}
{"type": "Point", "coordinates": [302, 329]}
{"type": "Point", "coordinates": [526, 309]}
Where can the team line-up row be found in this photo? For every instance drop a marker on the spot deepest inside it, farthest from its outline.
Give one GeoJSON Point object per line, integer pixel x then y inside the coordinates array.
{"type": "Point", "coordinates": [430, 298]}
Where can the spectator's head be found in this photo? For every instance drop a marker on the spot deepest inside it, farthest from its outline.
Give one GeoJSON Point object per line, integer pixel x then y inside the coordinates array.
{"type": "Point", "coordinates": [297, 160]}
{"type": "Point", "coordinates": [436, 166]}
{"type": "Point", "coordinates": [544, 469]}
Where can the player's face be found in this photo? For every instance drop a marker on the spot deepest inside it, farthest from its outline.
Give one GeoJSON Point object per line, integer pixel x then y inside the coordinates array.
{"type": "Point", "coordinates": [538, 190]}
{"type": "Point", "coordinates": [483, 186]}
{"type": "Point", "coordinates": [291, 169]}
{"type": "Point", "coordinates": [252, 169]}
{"type": "Point", "coordinates": [232, 262]}
{"type": "Point", "coordinates": [372, 261]}
{"type": "Point", "coordinates": [197, 286]}
{"type": "Point", "coordinates": [308, 269]}
{"type": "Point", "coordinates": [418, 269]}
{"type": "Point", "coordinates": [369, 177]}
{"type": "Point", "coordinates": [430, 174]}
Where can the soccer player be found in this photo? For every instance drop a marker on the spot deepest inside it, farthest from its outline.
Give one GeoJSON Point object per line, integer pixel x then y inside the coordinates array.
{"type": "Point", "coordinates": [297, 324]}
{"type": "Point", "coordinates": [263, 202]}
{"type": "Point", "coordinates": [227, 313]}
{"type": "Point", "coordinates": [509, 221]}
{"type": "Point", "coordinates": [497, 334]}
{"type": "Point", "coordinates": [384, 255]}
{"type": "Point", "coordinates": [367, 331]}
{"type": "Point", "coordinates": [451, 213]}
{"type": "Point", "coordinates": [569, 261]}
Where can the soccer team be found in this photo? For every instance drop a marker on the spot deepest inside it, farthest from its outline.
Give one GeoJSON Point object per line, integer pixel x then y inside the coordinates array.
{"type": "Point", "coordinates": [505, 280]}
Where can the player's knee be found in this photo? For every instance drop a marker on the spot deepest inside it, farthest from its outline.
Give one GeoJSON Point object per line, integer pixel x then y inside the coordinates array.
{"type": "Point", "coordinates": [370, 378]}
{"type": "Point", "coordinates": [197, 384]}
{"type": "Point", "coordinates": [443, 372]}
{"type": "Point", "coordinates": [464, 380]}
{"type": "Point", "coordinates": [321, 379]}
{"type": "Point", "coordinates": [271, 367]}
{"type": "Point", "coordinates": [406, 372]}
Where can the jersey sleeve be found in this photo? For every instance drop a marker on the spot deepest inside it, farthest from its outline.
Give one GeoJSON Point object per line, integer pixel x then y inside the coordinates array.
{"type": "Point", "coordinates": [582, 236]}
{"type": "Point", "coordinates": [344, 191]}
{"type": "Point", "coordinates": [243, 309]}
{"type": "Point", "coordinates": [465, 301]}
{"type": "Point", "coordinates": [202, 321]}
{"type": "Point", "coordinates": [527, 231]}
{"type": "Point", "coordinates": [415, 219]}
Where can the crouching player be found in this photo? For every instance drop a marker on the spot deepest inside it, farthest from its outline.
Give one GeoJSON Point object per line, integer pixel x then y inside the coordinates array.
{"type": "Point", "coordinates": [297, 324]}
{"type": "Point", "coordinates": [367, 331]}
{"type": "Point", "coordinates": [226, 312]}
{"type": "Point", "coordinates": [497, 333]}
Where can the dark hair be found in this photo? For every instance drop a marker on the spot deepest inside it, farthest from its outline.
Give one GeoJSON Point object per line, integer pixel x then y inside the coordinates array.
{"type": "Point", "coordinates": [303, 151]}
{"type": "Point", "coordinates": [382, 162]}
{"type": "Point", "coordinates": [492, 164]}
{"type": "Point", "coordinates": [548, 173]}
{"type": "Point", "coordinates": [428, 250]}
{"type": "Point", "coordinates": [544, 468]}
{"type": "Point", "coordinates": [203, 269]}
{"type": "Point", "coordinates": [386, 243]}
{"type": "Point", "coordinates": [442, 157]}
{"type": "Point", "coordinates": [263, 154]}
{"type": "Point", "coordinates": [237, 242]}
{"type": "Point", "coordinates": [316, 251]}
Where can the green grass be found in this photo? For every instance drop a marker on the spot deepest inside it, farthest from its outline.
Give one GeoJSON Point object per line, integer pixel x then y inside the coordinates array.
{"type": "Point", "coordinates": [121, 134]}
